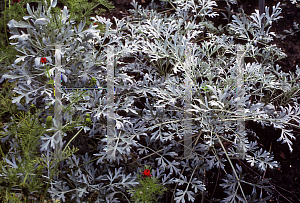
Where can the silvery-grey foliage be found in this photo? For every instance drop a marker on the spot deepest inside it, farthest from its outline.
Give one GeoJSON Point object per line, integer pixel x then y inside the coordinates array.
{"type": "Point", "coordinates": [290, 32]}
{"type": "Point", "coordinates": [161, 41]}
{"type": "Point", "coordinates": [294, 1]}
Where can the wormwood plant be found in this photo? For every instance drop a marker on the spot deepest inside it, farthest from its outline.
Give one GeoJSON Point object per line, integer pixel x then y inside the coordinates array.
{"type": "Point", "coordinates": [37, 32]}
{"type": "Point", "coordinates": [154, 133]}
{"type": "Point", "coordinates": [10, 11]}
{"type": "Point", "coordinates": [213, 111]}
{"type": "Point", "coordinates": [15, 10]}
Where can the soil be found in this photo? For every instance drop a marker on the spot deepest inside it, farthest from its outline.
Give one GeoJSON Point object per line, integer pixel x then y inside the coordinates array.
{"type": "Point", "coordinates": [285, 182]}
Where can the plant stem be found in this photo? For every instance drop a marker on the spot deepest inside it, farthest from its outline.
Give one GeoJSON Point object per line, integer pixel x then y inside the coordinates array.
{"type": "Point", "coordinates": [232, 167]}
{"type": "Point", "coordinates": [72, 139]}
{"type": "Point", "coordinates": [4, 56]}
{"type": "Point", "coordinates": [1, 151]}
{"type": "Point", "coordinates": [76, 99]}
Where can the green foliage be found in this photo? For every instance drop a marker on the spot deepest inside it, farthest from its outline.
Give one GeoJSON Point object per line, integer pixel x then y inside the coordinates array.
{"type": "Point", "coordinates": [7, 56]}
{"type": "Point", "coordinates": [32, 109]}
{"type": "Point", "coordinates": [148, 189]}
{"type": "Point", "coordinates": [6, 106]}
{"type": "Point", "coordinates": [11, 197]}
{"type": "Point", "coordinates": [80, 9]}
{"type": "Point", "coordinates": [75, 99]}
{"type": "Point", "coordinates": [88, 122]}
{"type": "Point", "coordinates": [25, 174]}
{"type": "Point", "coordinates": [205, 88]}
{"type": "Point", "coordinates": [49, 122]}
{"type": "Point", "coordinates": [93, 82]}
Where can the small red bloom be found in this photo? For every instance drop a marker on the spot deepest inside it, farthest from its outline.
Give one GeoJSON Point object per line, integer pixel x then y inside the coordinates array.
{"type": "Point", "coordinates": [146, 173]}
{"type": "Point", "coordinates": [95, 23]}
{"type": "Point", "coordinates": [43, 60]}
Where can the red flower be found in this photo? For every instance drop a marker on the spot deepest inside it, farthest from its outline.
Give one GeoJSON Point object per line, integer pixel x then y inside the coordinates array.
{"type": "Point", "coordinates": [146, 173]}
{"type": "Point", "coordinates": [95, 23]}
{"type": "Point", "coordinates": [43, 60]}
